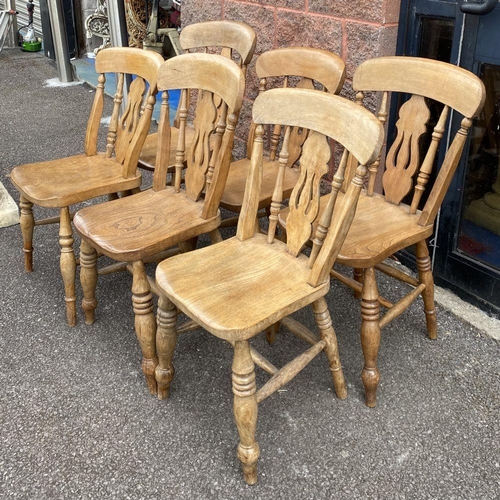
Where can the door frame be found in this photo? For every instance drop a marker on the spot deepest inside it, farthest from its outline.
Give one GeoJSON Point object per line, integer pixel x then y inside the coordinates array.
{"type": "Point", "coordinates": [470, 279]}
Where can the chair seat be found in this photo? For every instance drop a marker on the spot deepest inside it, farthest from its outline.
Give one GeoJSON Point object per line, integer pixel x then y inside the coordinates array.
{"type": "Point", "coordinates": [232, 198]}
{"type": "Point", "coordinates": [378, 230]}
{"type": "Point", "coordinates": [227, 286]}
{"type": "Point", "coordinates": [138, 226]}
{"type": "Point", "coordinates": [75, 179]}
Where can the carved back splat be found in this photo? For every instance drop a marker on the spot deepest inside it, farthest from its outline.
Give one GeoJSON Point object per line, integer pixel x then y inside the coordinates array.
{"type": "Point", "coordinates": [128, 129]}
{"type": "Point", "coordinates": [403, 159]}
{"type": "Point", "coordinates": [304, 201]}
{"type": "Point", "coordinates": [423, 78]}
{"type": "Point", "coordinates": [310, 66]}
{"type": "Point", "coordinates": [324, 115]}
{"type": "Point", "coordinates": [207, 160]}
{"type": "Point", "coordinates": [198, 154]}
{"type": "Point", "coordinates": [128, 122]}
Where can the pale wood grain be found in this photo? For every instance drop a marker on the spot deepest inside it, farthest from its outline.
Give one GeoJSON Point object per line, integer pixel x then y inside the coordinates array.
{"type": "Point", "coordinates": [313, 67]}
{"type": "Point", "coordinates": [253, 281]}
{"type": "Point", "coordinates": [233, 40]}
{"type": "Point", "coordinates": [382, 224]}
{"type": "Point", "coordinates": [137, 228]}
{"type": "Point", "coordinates": [63, 182]}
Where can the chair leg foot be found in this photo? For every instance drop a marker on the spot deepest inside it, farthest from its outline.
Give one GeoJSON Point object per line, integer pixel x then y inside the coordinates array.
{"type": "Point", "coordinates": [370, 336]}
{"type": "Point", "coordinates": [245, 409]}
{"type": "Point", "coordinates": [68, 265]}
{"type": "Point", "coordinates": [425, 276]}
{"type": "Point", "coordinates": [324, 322]}
{"type": "Point", "coordinates": [145, 323]}
{"type": "Point", "coordinates": [88, 280]}
{"type": "Point", "coordinates": [166, 338]}
{"type": "Point", "coordinates": [27, 223]}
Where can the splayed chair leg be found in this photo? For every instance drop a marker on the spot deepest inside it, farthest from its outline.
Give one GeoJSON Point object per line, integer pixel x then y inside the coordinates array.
{"type": "Point", "coordinates": [166, 338]}
{"type": "Point", "coordinates": [27, 223]}
{"type": "Point", "coordinates": [425, 277]}
{"type": "Point", "coordinates": [370, 336]}
{"type": "Point", "coordinates": [245, 409]}
{"type": "Point", "coordinates": [324, 322]}
{"type": "Point", "coordinates": [88, 280]}
{"type": "Point", "coordinates": [68, 265]}
{"type": "Point", "coordinates": [145, 323]}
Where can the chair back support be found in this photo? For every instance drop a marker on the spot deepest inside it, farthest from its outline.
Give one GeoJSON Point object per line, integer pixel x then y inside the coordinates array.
{"type": "Point", "coordinates": [128, 128]}
{"type": "Point", "coordinates": [230, 36]}
{"type": "Point", "coordinates": [314, 68]}
{"type": "Point", "coordinates": [215, 77]}
{"type": "Point", "coordinates": [325, 116]}
{"type": "Point", "coordinates": [406, 168]}
{"type": "Point", "coordinates": [232, 39]}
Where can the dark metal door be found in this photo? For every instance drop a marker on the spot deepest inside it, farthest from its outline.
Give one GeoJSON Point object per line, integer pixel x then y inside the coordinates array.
{"type": "Point", "coordinates": [466, 244]}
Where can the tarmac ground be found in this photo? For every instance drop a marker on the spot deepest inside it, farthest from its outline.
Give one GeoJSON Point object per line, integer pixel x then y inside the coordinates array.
{"type": "Point", "coordinates": [77, 421]}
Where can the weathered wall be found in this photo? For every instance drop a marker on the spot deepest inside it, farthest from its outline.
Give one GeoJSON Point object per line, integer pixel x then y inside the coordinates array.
{"type": "Point", "coordinates": [355, 29]}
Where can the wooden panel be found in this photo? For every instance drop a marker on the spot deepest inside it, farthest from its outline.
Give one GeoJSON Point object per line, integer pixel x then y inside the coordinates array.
{"type": "Point", "coordinates": [304, 200]}
{"type": "Point", "coordinates": [354, 127]}
{"type": "Point", "coordinates": [321, 65]}
{"type": "Point", "coordinates": [235, 35]}
{"type": "Point", "coordinates": [129, 60]}
{"type": "Point", "coordinates": [444, 82]}
{"type": "Point", "coordinates": [403, 159]}
{"type": "Point", "coordinates": [204, 71]}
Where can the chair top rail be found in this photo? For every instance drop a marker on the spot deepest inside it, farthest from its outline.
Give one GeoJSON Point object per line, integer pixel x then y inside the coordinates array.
{"type": "Point", "coordinates": [323, 66]}
{"type": "Point", "coordinates": [131, 61]}
{"type": "Point", "coordinates": [235, 35]}
{"type": "Point", "coordinates": [328, 114]}
{"type": "Point", "coordinates": [210, 72]}
{"type": "Point", "coordinates": [443, 82]}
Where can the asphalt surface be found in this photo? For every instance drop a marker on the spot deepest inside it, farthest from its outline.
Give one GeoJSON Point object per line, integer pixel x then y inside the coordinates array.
{"type": "Point", "coordinates": [77, 421]}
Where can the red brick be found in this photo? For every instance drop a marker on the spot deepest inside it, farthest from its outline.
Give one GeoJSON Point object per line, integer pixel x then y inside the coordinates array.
{"type": "Point", "coordinates": [366, 41]}
{"type": "Point", "coordinates": [392, 11]}
{"type": "Point", "coordinates": [196, 11]}
{"type": "Point", "coordinates": [261, 19]}
{"type": "Point", "coordinates": [298, 29]}
{"type": "Point", "coordinates": [366, 10]}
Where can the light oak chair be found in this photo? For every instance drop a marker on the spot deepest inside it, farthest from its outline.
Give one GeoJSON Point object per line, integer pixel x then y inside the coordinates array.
{"type": "Point", "coordinates": [300, 67]}
{"type": "Point", "coordinates": [66, 181]}
{"type": "Point", "coordinates": [253, 280]}
{"type": "Point", "coordinates": [136, 228]}
{"type": "Point", "coordinates": [400, 217]}
{"type": "Point", "coordinates": [233, 40]}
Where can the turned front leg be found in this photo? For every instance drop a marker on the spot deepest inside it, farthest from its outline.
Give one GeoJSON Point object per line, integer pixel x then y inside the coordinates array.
{"type": "Point", "coordinates": [245, 409]}
{"type": "Point", "coordinates": [68, 265]}
{"type": "Point", "coordinates": [145, 323]}
{"type": "Point", "coordinates": [425, 277]}
{"type": "Point", "coordinates": [324, 322]}
{"type": "Point", "coordinates": [370, 336]}
{"type": "Point", "coordinates": [88, 280]}
{"type": "Point", "coordinates": [166, 338]}
{"type": "Point", "coordinates": [27, 223]}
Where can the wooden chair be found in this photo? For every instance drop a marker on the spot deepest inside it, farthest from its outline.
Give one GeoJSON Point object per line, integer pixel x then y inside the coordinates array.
{"type": "Point", "coordinates": [302, 67]}
{"type": "Point", "coordinates": [389, 222]}
{"type": "Point", "coordinates": [136, 228]}
{"type": "Point", "coordinates": [64, 182]}
{"type": "Point", "coordinates": [235, 40]}
{"type": "Point", "coordinates": [252, 280]}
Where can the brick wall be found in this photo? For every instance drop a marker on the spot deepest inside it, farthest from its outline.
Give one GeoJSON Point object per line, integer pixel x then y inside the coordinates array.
{"type": "Point", "coordinates": [355, 29]}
